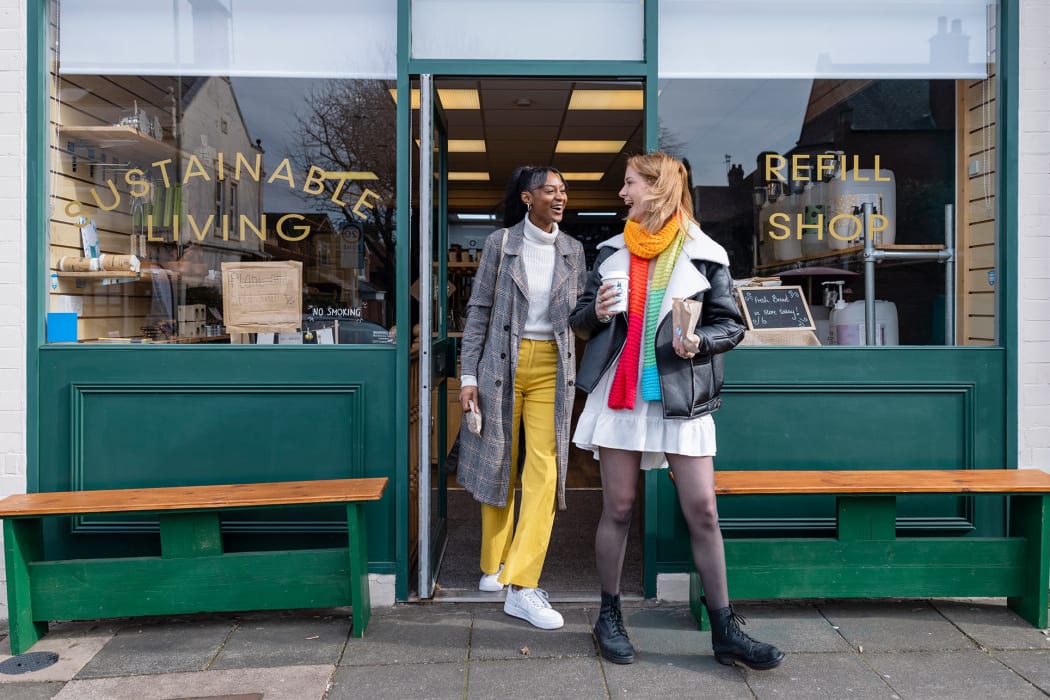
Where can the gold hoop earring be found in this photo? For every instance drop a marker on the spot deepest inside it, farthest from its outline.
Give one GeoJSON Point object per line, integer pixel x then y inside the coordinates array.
{"type": "Point", "coordinates": [528, 206]}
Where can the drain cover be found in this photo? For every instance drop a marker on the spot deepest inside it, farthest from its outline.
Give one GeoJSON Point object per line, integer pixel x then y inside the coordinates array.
{"type": "Point", "coordinates": [27, 663]}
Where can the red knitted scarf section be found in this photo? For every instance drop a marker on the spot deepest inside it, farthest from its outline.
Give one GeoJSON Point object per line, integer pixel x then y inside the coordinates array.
{"type": "Point", "coordinates": [625, 381]}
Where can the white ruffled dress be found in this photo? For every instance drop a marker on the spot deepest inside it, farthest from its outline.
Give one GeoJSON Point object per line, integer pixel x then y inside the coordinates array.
{"type": "Point", "coordinates": [641, 429]}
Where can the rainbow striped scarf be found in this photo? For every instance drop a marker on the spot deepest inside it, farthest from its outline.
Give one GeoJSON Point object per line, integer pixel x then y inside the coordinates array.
{"type": "Point", "coordinates": [643, 312]}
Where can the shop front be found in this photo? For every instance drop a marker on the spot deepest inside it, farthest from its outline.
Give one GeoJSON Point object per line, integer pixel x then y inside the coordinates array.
{"type": "Point", "coordinates": [238, 209]}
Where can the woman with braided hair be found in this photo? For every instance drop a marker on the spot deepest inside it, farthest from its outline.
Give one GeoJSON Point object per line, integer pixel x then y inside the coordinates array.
{"type": "Point", "coordinates": [650, 398]}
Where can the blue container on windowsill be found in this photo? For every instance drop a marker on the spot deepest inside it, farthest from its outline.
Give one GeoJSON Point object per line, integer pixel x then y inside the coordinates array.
{"type": "Point", "coordinates": [61, 327]}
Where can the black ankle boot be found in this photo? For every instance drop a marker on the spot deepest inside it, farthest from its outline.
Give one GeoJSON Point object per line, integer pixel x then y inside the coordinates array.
{"type": "Point", "coordinates": [610, 633]}
{"type": "Point", "coordinates": [731, 644]}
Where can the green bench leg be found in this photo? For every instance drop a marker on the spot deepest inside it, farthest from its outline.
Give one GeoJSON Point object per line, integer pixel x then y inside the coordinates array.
{"type": "Point", "coordinates": [358, 552]}
{"type": "Point", "coordinates": [1030, 519]}
{"type": "Point", "coordinates": [866, 518]}
{"type": "Point", "coordinates": [23, 543]}
{"type": "Point", "coordinates": [696, 605]}
{"type": "Point", "coordinates": [190, 535]}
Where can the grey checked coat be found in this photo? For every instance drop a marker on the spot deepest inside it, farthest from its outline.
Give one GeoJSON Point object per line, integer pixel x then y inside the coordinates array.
{"type": "Point", "coordinates": [495, 321]}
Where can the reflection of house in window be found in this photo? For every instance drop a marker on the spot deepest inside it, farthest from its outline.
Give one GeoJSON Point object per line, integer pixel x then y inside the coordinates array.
{"type": "Point", "coordinates": [209, 104]}
{"type": "Point", "coordinates": [220, 205]}
{"type": "Point", "coordinates": [232, 200]}
{"type": "Point", "coordinates": [311, 239]}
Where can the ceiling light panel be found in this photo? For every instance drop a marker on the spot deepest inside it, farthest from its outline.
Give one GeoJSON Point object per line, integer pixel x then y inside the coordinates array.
{"type": "Point", "coordinates": [350, 175]}
{"type": "Point", "coordinates": [468, 176]}
{"type": "Point", "coordinates": [459, 99]}
{"type": "Point", "coordinates": [466, 145]}
{"type": "Point", "coordinates": [606, 99]}
{"type": "Point", "coordinates": [589, 146]}
{"type": "Point", "coordinates": [582, 176]}
{"type": "Point", "coordinates": [450, 98]}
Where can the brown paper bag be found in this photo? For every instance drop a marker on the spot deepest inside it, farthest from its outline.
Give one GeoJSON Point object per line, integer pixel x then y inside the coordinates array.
{"type": "Point", "coordinates": [685, 313]}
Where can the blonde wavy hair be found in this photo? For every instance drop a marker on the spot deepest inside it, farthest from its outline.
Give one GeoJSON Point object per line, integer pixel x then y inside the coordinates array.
{"type": "Point", "coordinates": [669, 193]}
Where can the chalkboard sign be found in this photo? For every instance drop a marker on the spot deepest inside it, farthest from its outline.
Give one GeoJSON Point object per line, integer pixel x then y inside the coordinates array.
{"type": "Point", "coordinates": [775, 308]}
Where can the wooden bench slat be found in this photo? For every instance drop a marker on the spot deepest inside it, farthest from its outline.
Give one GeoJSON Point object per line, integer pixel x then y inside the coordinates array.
{"type": "Point", "coordinates": [896, 481]}
{"type": "Point", "coordinates": [193, 497]}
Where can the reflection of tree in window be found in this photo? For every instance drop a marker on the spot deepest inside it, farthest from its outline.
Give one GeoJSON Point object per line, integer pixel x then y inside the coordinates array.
{"type": "Point", "coordinates": [348, 127]}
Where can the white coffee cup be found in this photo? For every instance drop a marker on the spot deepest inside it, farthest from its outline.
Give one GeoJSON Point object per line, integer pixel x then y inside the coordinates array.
{"type": "Point", "coordinates": [618, 279]}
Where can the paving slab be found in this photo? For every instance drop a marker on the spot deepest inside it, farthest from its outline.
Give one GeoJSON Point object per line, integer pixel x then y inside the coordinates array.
{"type": "Point", "coordinates": [992, 625]}
{"type": "Point", "coordinates": [31, 691]}
{"type": "Point", "coordinates": [833, 676]}
{"type": "Point", "coordinates": [284, 639]}
{"type": "Point", "coordinates": [413, 634]}
{"type": "Point", "coordinates": [672, 658]}
{"type": "Point", "coordinates": [942, 675]}
{"type": "Point", "coordinates": [793, 628]}
{"type": "Point", "coordinates": [664, 630]}
{"type": "Point", "coordinates": [1033, 666]}
{"type": "Point", "coordinates": [292, 683]}
{"type": "Point", "coordinates": [579, 678]}
{"type": "Point", "coordinates": [76, 643]}
{"type": "Point", "coordinates": [170, 645]}
{"type": "Point", "coordinates": [668, 675]}
{"type": "Point", "coordinates": [899, 626]}
{"type": "Point", "coordinates": [497, 635]}
{"type": "Point", "coordinates": [434, 681]}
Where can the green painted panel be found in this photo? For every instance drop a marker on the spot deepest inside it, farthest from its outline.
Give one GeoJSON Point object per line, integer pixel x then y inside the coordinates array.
{"type": "Point", "coordinates": [153, 416]}
{"type": "Point", "coordinates": [925, 567]}
{"type": "Point", "coordinates": [84, 589]}
{"type": "Point", "coordinates": [244, 433]}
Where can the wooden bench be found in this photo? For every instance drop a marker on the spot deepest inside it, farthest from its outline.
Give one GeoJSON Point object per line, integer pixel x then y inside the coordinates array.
{"type": "Point", "coordinates": [866, 559]}
{"type": "Point", "coordinates": [193, 573]}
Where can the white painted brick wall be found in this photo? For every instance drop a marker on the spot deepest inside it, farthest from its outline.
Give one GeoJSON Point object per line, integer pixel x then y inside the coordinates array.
{"type": "Point", "coordinates": [1034, 237]}
{"type": "Point", "coordinates": [12, 256]}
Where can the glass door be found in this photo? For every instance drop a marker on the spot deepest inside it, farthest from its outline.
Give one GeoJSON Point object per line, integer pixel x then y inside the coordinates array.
{"type": "Point", "coordinates": [437, 351]}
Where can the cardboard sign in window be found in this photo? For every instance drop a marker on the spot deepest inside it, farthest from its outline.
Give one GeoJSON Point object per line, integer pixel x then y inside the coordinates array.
{"type": "Point", "coordinates": [262, 297]}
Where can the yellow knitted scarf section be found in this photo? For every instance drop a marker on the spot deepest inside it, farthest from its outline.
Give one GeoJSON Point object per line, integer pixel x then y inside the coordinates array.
{"type": "Point", "coordinates": [648, 245]}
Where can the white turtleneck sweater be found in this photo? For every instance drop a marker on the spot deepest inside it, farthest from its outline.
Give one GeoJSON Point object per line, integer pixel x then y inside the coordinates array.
{"type": "Point", "coordinates": [538, 255]}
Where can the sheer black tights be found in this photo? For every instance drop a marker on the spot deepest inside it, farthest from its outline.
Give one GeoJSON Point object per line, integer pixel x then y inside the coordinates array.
{"type": "Point", "coordinates": [695, 482]}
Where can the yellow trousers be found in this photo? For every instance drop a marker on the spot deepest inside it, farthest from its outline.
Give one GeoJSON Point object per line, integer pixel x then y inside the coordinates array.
{"type": "Point", "coordinates": [522, 549]}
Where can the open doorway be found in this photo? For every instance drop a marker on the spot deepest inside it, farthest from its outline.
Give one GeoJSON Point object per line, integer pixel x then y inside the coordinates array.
{"type": "Point", "coordinates": [586, 129]}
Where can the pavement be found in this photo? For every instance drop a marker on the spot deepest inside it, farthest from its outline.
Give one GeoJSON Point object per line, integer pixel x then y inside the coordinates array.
{"type": "Point", "coordinates": [957, 649]}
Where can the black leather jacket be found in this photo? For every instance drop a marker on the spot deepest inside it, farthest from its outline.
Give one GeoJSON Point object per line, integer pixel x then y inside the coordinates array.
{"type": "Point", "coordinates": [689, 388]}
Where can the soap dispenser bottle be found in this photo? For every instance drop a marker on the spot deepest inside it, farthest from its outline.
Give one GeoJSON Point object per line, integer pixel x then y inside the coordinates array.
{"type": "Point", "coordinates": [833, 299]}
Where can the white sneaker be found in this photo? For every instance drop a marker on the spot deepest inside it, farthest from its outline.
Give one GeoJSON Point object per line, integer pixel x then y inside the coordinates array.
{"type": "Point", "coordinates": [531, 604]}
{"type": "Point", "coordinates": [490, 582]}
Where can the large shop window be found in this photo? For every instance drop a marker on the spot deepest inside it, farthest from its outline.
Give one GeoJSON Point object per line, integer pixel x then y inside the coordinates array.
{"type": "Point", "coordinates": [222, 172]}
{"type": "Point", "coordinates": [796, 119]}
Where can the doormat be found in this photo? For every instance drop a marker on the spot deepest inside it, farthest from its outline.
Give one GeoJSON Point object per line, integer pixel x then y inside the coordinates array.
{"type": "Point", "coordinates": [28, 662]}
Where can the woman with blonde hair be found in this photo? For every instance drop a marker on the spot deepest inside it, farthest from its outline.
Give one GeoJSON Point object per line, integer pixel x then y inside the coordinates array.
{"type": "Point", "coordinates": [650, 398]}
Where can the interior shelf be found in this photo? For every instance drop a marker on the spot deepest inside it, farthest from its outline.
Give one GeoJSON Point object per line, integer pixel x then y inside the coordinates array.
{"type": "Point", "coordinates": [845, 255]}
{"type": "Point", "coordinates": [464, 267]}
{"type": "Point", "coordinates": [126, 141]}
{"type": "Point", "coordinates": [101, 274]}
{"type": "Point", "coordinates": [103, 277]}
